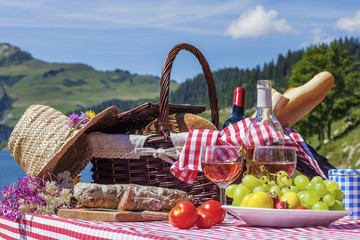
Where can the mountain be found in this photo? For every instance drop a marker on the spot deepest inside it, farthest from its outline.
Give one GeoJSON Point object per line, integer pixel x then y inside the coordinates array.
{"type": "Point", "coordinates": [25, 80]}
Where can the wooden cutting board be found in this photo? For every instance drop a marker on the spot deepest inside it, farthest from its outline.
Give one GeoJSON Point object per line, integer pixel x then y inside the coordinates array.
{"type": "Point", "coordinates": [112, 215]}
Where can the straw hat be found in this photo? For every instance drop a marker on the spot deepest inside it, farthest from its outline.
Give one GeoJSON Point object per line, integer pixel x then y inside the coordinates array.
{"type": "Point", "coordinates": [38, 146]}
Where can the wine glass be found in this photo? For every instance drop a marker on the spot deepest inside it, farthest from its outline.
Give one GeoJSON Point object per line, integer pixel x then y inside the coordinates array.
{"type": "Point", "coordinates": [274, 159]}
{"type": "Point", "coordinates": [222, 165]}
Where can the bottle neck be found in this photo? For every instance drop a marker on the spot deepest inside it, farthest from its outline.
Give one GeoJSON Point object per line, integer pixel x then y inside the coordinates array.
{"type": "Point", "coordinates": [239, 97]}
{"type": "Point", "coordinates": [263, 113]}
{"type": "Point", "coordinates": [237, 110]}
{"type": "Point", "coordinates": [264, 97]}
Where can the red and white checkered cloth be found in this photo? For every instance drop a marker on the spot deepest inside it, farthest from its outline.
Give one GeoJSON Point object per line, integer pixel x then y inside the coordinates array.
{"type": "Point", "coordinates": [189, 163]}
{"type": "Point", "coordinates": [52, 227]}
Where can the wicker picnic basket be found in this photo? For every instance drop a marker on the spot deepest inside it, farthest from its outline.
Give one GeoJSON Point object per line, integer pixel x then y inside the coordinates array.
{"type": "Point", "coordinates": [148, 170]}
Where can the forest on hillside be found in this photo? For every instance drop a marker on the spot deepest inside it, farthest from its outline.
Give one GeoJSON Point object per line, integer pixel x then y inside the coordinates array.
{"type": "Point", "coordinates": [194, 91]}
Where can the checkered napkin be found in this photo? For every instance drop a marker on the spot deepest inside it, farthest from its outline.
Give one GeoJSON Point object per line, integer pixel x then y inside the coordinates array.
{"type": "Point", "coordinates": [349, 182]}
{"type": "Point", "coordinates": [189, 163]}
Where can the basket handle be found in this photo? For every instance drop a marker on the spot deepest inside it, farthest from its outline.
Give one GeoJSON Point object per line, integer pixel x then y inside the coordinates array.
{"type": "Point", "coordinates": [165, 83]}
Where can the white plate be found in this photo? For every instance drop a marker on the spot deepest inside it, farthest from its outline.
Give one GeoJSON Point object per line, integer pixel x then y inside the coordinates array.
{"type": "Point", "coordinates": [267, 217]}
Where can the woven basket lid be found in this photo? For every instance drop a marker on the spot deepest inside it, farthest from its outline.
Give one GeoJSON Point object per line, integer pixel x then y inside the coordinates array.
{"type": "Point", "coordinates": [35, 140]}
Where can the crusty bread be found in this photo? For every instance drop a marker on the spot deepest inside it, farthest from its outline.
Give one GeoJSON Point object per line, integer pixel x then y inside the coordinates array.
{"type": "Point", "coordinates": [305, 98]}
{"type": "Point", "coordinates": [278, 102]}
{"type": "Point", "coordinates": [180, 122]}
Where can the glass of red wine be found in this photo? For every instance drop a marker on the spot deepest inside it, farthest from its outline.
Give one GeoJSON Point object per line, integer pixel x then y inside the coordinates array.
{"type": "Point", "coordinates": [274, 159]}
{"type": "Point", "coordinates": [222, 165]}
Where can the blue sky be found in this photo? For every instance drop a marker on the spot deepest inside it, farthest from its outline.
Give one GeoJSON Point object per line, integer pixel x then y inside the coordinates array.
{"type": "Point", "coordinates": [137, 35]}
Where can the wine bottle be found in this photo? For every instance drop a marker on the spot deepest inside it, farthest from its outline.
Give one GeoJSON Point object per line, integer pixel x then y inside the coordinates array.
{"type": "Point", "coordinates": [237, 108]}
{"type": "Point", "coordinates": [264, 121]}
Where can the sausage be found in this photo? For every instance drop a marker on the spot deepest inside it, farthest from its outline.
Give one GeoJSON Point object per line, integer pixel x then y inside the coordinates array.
{"type": "Point", "coordinates": [133, 197]}
{"type": "Point", "coordinates": [137, 198]}
{"type": "Point", "coordinates": [95, 195]}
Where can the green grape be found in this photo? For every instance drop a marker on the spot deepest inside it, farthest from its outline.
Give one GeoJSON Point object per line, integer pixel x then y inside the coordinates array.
{"type": "Point", "coordinates": [311, 197]}
{"type": "Point", "coordinates": [329, 199]}
{"type": "Point", "coordinates": [317, 179]}
{"type": "Point", "coordinates": [301, 181]}
{"type": "Point", "coordinates": [260, 188]}
{"type": "Point", "coordinates": [339, 195]}
{"type": "Point", "coordinates": [281, 174]}
{"type": "Point", "coordinates": [250, 181]}
{"type": "Point", "coordinates": [331, 185]}
{"type": "Point", "coordinates": [267, 186]}
{"type": "Point", "coordinates": [270, 184]}
{"type": "Point", "coordinates": [276, 189]}
{"type": "Point", "coordinates": [264, 179]}
{"type": "Point", "coordinates": [338, 206]}
{"type": "Point", "coordinates": [320, 206]}
{"type": "Point", "coordinates": [301, 196]}
{"type": "Point", "coordinates": [301, 193]}
{"type": "Point", "coordinates": [294, 189]}
{"type": "Point", "coordinates": [321, 189]}
{"type": "Point", "coordinates": [229, 191]}
{"type": "Point", "coordinates": [285, 190]}
{"type": "Point", "coordinates": [310, 186]}
{"type": "Point", "coordinates": [286, 181]}
{"type": "Point", "coordinates": [239, 192]}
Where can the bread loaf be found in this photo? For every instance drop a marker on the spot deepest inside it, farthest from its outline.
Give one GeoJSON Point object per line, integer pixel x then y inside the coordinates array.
{"type": "Point", "coordinates": [179, 122]}
{"type": "Point", "coordinates": [278, 102]}
{"type": "Point", "coordinates": [305, 98]}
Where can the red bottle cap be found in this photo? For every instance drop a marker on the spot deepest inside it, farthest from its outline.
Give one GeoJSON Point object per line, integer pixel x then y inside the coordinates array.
{"type": "Point", "coordinates": [239, 96]}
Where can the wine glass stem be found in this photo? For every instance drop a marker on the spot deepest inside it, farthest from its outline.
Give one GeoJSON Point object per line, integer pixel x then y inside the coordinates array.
{"type": "Point", "coordinates": [222, 196]}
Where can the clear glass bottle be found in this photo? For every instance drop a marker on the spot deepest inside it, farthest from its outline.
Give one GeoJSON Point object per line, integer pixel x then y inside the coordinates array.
{"type": "Point", "coordinates": [264, 129]}
{"type": "Point", "coordinates": [237, 108]}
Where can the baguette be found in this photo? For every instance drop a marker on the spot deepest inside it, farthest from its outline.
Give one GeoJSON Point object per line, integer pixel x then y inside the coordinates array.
{"type": "Point", "coordinates": [305, 98]}
{"type": "Point", "coordinates": [278, 102]}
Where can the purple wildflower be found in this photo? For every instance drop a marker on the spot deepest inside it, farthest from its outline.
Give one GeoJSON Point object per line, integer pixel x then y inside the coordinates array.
{"type": "Point", "coordinates": [84, 117]}
{"type": "Point", "coordinates": [74, 120]}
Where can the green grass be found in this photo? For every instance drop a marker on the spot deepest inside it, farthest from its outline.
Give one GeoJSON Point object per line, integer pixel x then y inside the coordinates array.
{"type": "Point", "coordinates": [343, 151]}
{"type": "Point", "coordinates": [100, 86]}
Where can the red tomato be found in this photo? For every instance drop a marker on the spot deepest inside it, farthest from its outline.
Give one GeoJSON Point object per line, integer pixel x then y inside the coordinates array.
{"type": "Point", "coordinates": [214, 207]}
{"type": "Point", "coordinates": [183, 215]}
{"type": "Point", "coordinates": [282, 205]}
{"type": "Point", "coordinates": [302, 208]}
{"type": "Point", "coordinates": [205, 220]}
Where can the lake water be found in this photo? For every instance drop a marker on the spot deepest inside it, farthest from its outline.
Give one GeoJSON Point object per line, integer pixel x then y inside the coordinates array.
{"type": "Point", "coordinates": [10, 171]}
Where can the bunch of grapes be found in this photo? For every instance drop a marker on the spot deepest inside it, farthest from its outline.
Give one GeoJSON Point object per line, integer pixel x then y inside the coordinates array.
{"type": "Point", "coordinates": [300, 192]}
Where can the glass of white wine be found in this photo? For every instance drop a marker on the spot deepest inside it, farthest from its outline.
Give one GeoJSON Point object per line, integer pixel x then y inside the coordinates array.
{"type": "Point", "coordinates": [222, 165]}
{"type": "Point", "coordinates": [274, 159]}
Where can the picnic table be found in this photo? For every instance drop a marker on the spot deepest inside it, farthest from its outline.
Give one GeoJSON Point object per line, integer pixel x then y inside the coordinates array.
{"type": "Point", "coordinates": [53, 227]}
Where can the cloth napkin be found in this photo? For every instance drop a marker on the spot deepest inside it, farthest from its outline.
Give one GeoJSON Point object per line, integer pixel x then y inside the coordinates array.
{"type": "Point", "coordinates": [188, 164]}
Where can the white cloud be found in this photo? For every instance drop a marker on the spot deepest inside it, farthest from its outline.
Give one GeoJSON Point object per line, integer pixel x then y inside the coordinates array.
{"type": "Point", "coordinates": [257, 22]}
{"type": "Point", "coordinates": [319, 36]}
{"type": "Point", "coordinates": [202, 16]}
{"type": "Point", "coordinates": [350, 24]}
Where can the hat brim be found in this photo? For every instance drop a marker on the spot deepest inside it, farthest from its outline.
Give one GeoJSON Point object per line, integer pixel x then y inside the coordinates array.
{"type": "Point", "coordinates": [71, 156]}
{"type": "Point", "coordinates": [40, 141]}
